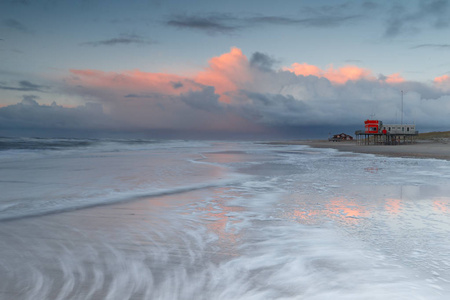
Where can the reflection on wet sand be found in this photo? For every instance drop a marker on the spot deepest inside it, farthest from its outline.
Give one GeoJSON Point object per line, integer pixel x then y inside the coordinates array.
{"type": "Point", "coordinates": [393, 206]}
{"type": "Point", "coordinates": [442, 204]}
{"type": "Point", "coordinates": [405, 203]}
{"type": "Point", "coordinates": [339, 209]}
{"type": "Point", "coordinates": [221, 219]}
{"type": "Point", "coordinates": [345, 209]}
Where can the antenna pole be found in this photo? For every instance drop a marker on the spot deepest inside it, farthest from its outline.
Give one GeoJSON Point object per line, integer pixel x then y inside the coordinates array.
{"type": "Point", "coordinates": [402, 108]}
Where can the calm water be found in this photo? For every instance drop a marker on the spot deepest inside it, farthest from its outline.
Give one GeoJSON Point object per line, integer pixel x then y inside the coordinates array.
{"type": "Point", "coordinates": [138, 219]}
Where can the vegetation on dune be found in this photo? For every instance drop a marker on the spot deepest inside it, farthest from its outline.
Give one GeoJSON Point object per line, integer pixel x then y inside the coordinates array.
{"type": "Point", "coordinates": [434, 135]}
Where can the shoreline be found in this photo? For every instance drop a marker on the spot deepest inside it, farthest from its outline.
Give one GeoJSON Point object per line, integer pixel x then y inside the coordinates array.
{"type": "Point", "coordinates": [420, 149]}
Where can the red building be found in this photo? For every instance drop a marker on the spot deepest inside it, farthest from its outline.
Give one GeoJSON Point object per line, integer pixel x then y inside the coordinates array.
{"type": "Point", "coordinates": [372, 126]}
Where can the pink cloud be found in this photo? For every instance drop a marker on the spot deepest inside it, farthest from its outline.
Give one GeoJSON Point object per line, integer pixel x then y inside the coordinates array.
{"type": "Point", "coordinates": [442, 82]}
{"type": "Point", "coordinates": [442, 79]}
{"type": "Point", "coordinates": [134, 81]}
{"type": "Point", "coordinates": [226, 73]}
{"type": "Point", "coordinates": [162, 100]}
{"type": "Point", "coordinates": [394, 78]}
{"type": "Point", "coordinates": [336, 76]}
{"type": "Point", "coordinates": [305, 69]}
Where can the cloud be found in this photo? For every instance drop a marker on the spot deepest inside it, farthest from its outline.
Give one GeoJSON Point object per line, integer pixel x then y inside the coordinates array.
{"type": "Point", "coordinates": [218, 23]}
{"type": "Point", "coordinates": [30, 100]}
{"type": "Point", "coordinates": [316, 21]}
{"type": "Point", "coordinates": [177, 85]}
{"type": "Point", "coordinates": [235, 94]}
{"type": "Point", "coordinates": [413, 18]}
{"type": "Point", "coordinates": [443, 83]}
{"type": "Point", "coordinates": [441, 79]}
{"type": "Point", "coordinates": [239, 94]}
{"type": "Point", "coordinates": [262, 61]}
{"type": "Point", "coordinates": [206, 100]}
{"type": "Point", "coordinates": [227, 73]}
{"type": "Point", "coordinates": [29, 114]}
{"type": "Point", "coordinates": [25, 86]}
{"type": "Point", "coordinates": [123, 39]}
{"type": "Point", "coordinates": [112, 86]}
{"type": "Point", "coordinates": [394, 78]}
{"type": "Point", "coordinates": [212, 23]}
{"type": "Point", "coordinates": [16, 25]}
{"type": "Point", "coordinates": [434, 46]}
{"type": "Point", "coordinates": [337, 76]}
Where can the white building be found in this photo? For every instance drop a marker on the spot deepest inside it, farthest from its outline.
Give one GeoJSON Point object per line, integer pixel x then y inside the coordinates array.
{"type": "Point", "coordinates": [398, 129]}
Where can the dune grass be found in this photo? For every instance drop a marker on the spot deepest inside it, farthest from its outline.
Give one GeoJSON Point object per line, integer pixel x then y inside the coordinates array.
{"type": "Point", "coordinates": [434, 135]}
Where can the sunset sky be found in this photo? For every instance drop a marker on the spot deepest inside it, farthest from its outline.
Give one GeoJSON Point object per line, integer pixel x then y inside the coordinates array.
{"type": "Point", "coordinates": [221, 68]}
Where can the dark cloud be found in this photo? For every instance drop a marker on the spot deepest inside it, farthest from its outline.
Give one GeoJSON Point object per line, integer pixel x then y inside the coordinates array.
{"type": "Point", "coordinates": [212, 23]}
{"type": "Point", "coordinates": [123, 39]}
{"type": "Point", "coordinates": [226, 23]}
{"type": "Point", "coordinates": [176, 85]}
{"type": "Point", "coordinates": [262, 61]}
{"type": "Point", "coordinates": [395, 22]}
{"type": "Point", "coordinates": [413, 18]}
{"type": "Point", "coordinates": [274, 109]}
{"type": "Point", "coordinates": [30, 114]}
{"type": "Point", "coordinates": [317, 21]}
{"type": "Point", "coordinates": [205, 100]}
{"type": "Point", "coordinates": [135, 96]}
{"type": "Point", "coordinates": [25, 86]}
{"type": "Point", "coordinates": [435, 46]}
{"type": "Point", "coordinates": [436, 11]}
{"type": "Point", "coordinates": [16, 25]}
{"type": "Point", "coordinates": [149, 96]}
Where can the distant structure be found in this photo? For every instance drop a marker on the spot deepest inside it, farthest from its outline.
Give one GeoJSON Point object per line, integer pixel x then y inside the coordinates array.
{"type": "Point", "coordinates": [341, 137]}
{"type": "Point", "coordinates": [375, 132]}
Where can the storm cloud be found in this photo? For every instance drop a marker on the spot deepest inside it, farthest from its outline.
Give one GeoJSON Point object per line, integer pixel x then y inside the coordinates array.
{"type": "Point", "coordinates": [234, 94]}
{"type": "Point", "coordinates": [29, 114]}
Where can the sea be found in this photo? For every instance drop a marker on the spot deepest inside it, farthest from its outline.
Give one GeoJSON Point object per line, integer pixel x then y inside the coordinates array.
{"type": "Point", "coordinates": [182, 219]}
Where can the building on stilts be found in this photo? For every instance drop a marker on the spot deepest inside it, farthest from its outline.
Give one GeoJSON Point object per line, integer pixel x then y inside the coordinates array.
{"type": "Point", "coordinates": [377, 133]}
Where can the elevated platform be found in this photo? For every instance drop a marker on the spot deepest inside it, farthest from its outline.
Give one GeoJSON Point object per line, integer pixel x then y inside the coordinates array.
{"type": "Point", "coordinates": [364, 138]}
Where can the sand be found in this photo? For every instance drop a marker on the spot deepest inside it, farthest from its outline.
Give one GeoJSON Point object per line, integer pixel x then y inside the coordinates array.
{"type": "Point", "coordinates": [419, 149]}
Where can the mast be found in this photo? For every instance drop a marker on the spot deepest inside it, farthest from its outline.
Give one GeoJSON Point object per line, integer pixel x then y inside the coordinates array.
{"type": "Point", "coordinates": [402, 108]}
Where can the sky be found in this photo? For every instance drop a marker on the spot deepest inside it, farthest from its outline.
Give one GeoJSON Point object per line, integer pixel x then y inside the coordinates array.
{"type": "Point", "coordinates": [221, 68]}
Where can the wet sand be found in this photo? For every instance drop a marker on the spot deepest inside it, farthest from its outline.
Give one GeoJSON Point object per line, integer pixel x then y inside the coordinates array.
{"type": "Point", "coordinates": [420, 149]}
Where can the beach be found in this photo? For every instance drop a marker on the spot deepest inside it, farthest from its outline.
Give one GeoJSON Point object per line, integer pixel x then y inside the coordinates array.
{"type": "Point", "coordinates": [419, 149]}
{"type": "Point", "coordinates": [134, 219]}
